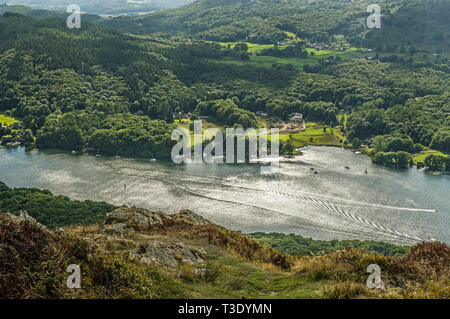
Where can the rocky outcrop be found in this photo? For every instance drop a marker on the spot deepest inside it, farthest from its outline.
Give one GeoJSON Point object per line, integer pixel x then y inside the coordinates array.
{"type": "Point", "coordinates": [189, 217]}
{"type": "Point", "coordinates": [128, 221]}
{"type": "Point", "coordinates": [169, 255]}
{"type": "Point", "coordinates": [125, 221]}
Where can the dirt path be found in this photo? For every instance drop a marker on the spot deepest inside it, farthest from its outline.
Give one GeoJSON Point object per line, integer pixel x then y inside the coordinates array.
{"type": "Point", "coordinates": [285, 129]}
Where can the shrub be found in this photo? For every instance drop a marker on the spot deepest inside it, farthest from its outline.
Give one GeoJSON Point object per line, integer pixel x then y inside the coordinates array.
{"type": "Point", "coordinates": [345, 290]}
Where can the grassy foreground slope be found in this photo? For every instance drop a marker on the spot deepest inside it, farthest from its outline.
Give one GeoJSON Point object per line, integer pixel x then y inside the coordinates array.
{"type": "Point", "coordinates": [140, 254]}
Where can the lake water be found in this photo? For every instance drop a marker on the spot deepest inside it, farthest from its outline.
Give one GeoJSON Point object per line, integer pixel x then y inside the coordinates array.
{"type": "Point", "coordinates": [396, 206]}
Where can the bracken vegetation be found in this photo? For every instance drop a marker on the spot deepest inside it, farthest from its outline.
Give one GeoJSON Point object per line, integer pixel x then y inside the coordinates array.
{"type": "Point", "coordinates": [33, 263]}
{"type": "Point", "coordinates": [423, 273]}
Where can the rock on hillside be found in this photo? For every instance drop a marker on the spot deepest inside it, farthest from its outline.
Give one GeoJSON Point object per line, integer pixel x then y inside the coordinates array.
{"type": "Point", "coordinates": [126, 221]}
{"type": "Point", "coordinates": [189, 217]}
{"type": "Point", "coordinates": [169, 255]}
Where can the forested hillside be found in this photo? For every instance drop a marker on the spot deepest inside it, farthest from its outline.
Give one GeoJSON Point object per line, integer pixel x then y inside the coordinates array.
{"type": "Point", "coordinates": [120, 93]}
{"type": "Point", "coordinates": [420, 23]}
{"type": "Point", "coordinates": [67, 85]}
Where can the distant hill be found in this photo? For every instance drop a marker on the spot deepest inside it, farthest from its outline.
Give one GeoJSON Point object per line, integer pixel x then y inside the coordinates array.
{"type": "Point", "coordinates": [105, 7]}
{"type": "Point", "coordinates": [40, 13]}
{"type": "Point", "coordinates": [419, 23]}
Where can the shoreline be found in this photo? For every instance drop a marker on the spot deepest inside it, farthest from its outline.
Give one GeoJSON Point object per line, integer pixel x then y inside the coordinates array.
{"type": "Point", "coordinates": [282, 157]}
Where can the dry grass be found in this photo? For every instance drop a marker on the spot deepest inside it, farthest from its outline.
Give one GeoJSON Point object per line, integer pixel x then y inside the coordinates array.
{"type": "Point", "coordinates": [423, 273]}
{"type": "Point", "coordinates": [235, 242]}
{"type": "Point", "coordinates": [345, 290]}
{"type": "Point", "coordinates": [33, 261]}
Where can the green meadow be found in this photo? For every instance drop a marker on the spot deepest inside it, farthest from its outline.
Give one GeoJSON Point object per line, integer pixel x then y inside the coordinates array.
{"type": "Point", "coordinates": [313, 56]}
{"type": "Point", "coordinates": [421, 157]}
{"type": "Point", "coordinates": [314, 134]}
{"type": "Point", "coordinates": [268, 61]}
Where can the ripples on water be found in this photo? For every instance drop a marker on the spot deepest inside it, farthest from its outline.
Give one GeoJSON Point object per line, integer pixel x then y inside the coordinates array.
{"type": "Point", "coordinates": [337, 203]}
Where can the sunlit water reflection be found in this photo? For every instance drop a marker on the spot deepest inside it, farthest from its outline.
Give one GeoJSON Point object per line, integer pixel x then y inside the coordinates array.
{"type": "Point", "coordinates": [336, 203]}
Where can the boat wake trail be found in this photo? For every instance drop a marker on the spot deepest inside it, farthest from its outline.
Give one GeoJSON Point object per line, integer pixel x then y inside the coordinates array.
{"type": "Point", "coordinates": [329, 209]}
{"type": "Point", "coordinates": [221, 188]}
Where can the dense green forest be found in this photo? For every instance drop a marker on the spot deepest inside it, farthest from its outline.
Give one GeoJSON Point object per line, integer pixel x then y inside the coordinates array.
{"type": "Point", "coordinates": [50, 210]}
{"type": "Point", "coordinates": [297, 245]}
{"type": "Point", "coordinates": [405, 23]}
{"type": "Point", "coordinates": [119, 93]}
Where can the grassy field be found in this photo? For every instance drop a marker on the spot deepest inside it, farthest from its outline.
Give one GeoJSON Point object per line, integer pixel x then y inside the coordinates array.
{"type": "Point", "coordinates": [255, 47]}
{"type": "Point", "coordinates": [421, 157]}
{"type": "Point", "coordinates": [8, 120]}
{"type": "Point", "coordinates": [352, 53]}
{"type": "Point", "coordinates": [315, 135]}
{"type": "Point", "coordinates": [291, 35]}
{"type": "Point", "coordinates": [298, 63]}
{"type": "Point", "coordinates": [252, 47]}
